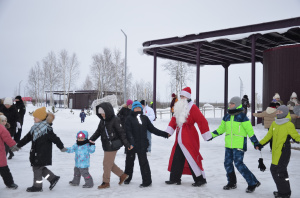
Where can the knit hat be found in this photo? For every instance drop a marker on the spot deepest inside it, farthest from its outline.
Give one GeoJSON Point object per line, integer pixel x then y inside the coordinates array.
{"type": "Point", "coordinates": [136, 104]}
{"type": "Point", "coordinates": [276, 96]}
{"type": "Point", "coordinates": [40, 113]}
{"type": "Point", "coordinates": [273, 105]}
{"type": "Point", "coordinates": [8, 101]}
{"type": "Point", "coordinates": [143, 102]}
{"type": "Point", "coordinates": [101, 111]}
{"type": "Point", "coordinates": [294, 95]}
{"type": "Point", "coordinates": [186, 92]}
{"type": "Point", "coordinates": [129, 102]}
{"type": "Point", "coordinates": [285, 111]}
{"type": "Point", "coordinates": [236, 100]}
{"type": "Point", "coordinates": [81, 134]}
{"type": "Point", "coordinates": [3, 117]}
{"type": "Point", "coordinates": [173, 95]}
{"type": "Point", "coordinates": [18, 97]}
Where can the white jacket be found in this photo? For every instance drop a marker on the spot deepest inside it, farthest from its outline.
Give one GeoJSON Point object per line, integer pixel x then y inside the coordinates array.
{"type": "Point", "coordinates": [148, 111]}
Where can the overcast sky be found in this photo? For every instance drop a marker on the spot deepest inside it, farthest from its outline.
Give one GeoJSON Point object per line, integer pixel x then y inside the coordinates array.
{"type": "Point", "coordinates": [30, 29]}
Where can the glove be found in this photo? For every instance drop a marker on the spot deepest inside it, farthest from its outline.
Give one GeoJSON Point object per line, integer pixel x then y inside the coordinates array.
{"type": "Point", "coordinates": [210, 139]}
{"type": "Point", "coordinates": [259, 146]}
{"type": "Point", "coordinates": [261, 165]}
{"type": "Point", "coordinates": [18, 125]}
{"type": "Point", "coordinates": [14, 148]}
{"type": "Point", "coordinates": [63, 150]}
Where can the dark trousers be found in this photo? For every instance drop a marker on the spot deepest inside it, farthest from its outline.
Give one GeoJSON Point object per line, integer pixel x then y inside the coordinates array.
{"type": "Point", "coordinates": [82, 119]}
{"type": "Point", "coordinates": [38, 173]}
{"type": "Point", "coordinates": [144, 166]}
{"type": "Point", "coordinates": [7, 150]}
{"type": "Point", "coordinates": [17, 136]}
{"type": "Point", "coordinates": [6, 176]}
{"type": "Point", "coordinates": [279, 172]}
{"type": "Point", "coordinates": [178, 166]}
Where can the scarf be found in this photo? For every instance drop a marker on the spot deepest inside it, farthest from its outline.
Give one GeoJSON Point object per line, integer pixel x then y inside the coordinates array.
{"type": "Point", "coordinates": [80, 143]}
{"type": "Point", "coordinates": [39, 129]}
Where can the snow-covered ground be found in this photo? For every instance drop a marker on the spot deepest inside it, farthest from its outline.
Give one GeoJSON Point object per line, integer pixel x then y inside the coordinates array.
{"type": "Point", "coordinates": [66, 125]}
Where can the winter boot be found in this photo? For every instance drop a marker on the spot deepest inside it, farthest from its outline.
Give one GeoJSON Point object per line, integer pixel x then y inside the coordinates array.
{"type": "Point", "coordinates": [173, 182]}
{"type": "Point", "coordinates": [251, 189]}
{"type": "Point", "coordinates": [34, 189]}
{"type": "Point", "coordinates": [12, 186]}
{"type": "Point", "coordinates": [87, 186]}
{"type": "Point", "coordinates": [200, 182]}
{"type": "Point", "coordinates": [104, 185]}
{"type": "Point", "coordinates": [53, 182]}
{"type": "Point", "coordinates": [73, 184]}
{"type": "Point", "coordinates": [229, 186]}
{"type": "Point", "coordinates": [11, 154]}
{"type": "Point", "coordinates": [123, 177]}
{"type": "Point", "coordinates": [127, 181]}
{"type": "Point", "coordinates": [145, 185]}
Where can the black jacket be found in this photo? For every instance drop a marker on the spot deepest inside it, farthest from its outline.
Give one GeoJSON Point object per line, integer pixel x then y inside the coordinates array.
{"type": "Point", "coordinates": [21, 109]}
{"type": "Point", "coordinates": [12, 116]}
{"type": "Point", "coordinates": [113, 127]}
{"type": "Point", "coordinates": [41, 148]}
{"type": "Point", "coordinates": [137, 133]}
{"type": "Point", "coordinates": [123, 114]}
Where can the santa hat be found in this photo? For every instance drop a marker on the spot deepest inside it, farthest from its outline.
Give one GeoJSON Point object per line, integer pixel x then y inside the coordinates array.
{"type": "Point", "coordinates": [294, 95]}
{"type": "Point", "coordinates": [276, 96]}
{"type": "Point", "coordinates": [186, 92]}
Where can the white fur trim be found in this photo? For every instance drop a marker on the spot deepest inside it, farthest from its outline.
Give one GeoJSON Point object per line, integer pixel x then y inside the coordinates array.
{"type": "Point", "coordinates": [276, 96]}
{"type": "Point", "coordinates": [196, 169]}
{"type": "Point", "coordinates": [185, 93]}
{"type": "Point", "coordinates": [170, 130]}
{"type": "Point", "coordinates": [206, 136]}
{"type": "Point", "coordinates": [294, 95]}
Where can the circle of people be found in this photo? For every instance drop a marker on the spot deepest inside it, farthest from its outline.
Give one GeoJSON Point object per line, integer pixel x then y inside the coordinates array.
{"type": "Point", "coordinates": [132, 127]}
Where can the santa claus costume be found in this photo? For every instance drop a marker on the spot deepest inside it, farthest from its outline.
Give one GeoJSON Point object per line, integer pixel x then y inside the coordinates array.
{"type": "Point", "coordinates": [185, 157]}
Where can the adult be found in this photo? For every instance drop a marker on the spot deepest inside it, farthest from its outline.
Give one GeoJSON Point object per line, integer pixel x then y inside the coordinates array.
{"type": "Point", "coordinates": [174, 100]}
{"type": "Point", "coordinates": [110, 130]}
{"type": "Point", "coordinates": [124, 113]}
{"type": "Point", "coordinates": [21, 112]}
{"type": "Point", "coordinates": [149, 112]}
{"type": "Point", "coordinates": [276, 98]}
{"type": "Point", "coordinates": [185, 157]}
{"type": "Point", "coordinates": [10, 111]}
{"type": "Point", "coordinates": [245, 104]}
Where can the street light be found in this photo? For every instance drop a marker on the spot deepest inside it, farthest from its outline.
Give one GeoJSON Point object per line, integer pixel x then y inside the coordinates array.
{"type": "Point", "coordinates": [125, 64]}
{"type": "Point", "coordinates": [241, 87]}
{"type": "Point", "coordinates": [19, 87]}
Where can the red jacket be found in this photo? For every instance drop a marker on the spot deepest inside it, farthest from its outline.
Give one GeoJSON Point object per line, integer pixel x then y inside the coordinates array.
{"type": "Point", "coordinates": [4, 138]}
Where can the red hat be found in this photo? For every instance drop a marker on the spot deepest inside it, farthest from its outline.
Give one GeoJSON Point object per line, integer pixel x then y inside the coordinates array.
{"type": "Point", "coordinates": [186, 92]}
{"type": "Point", "coordinates": [80, 134]}
{"type": "Point", "coordinates": [173, 95]}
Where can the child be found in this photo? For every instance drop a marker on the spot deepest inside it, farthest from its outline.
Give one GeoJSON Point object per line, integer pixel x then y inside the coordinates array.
{"type": "Point", "coordinates": [237, 126]}
{"type": "Point", "coordinates": [5, 138]}
{"type": "Point", "coordinates": [136, 126]}
{"type": "Point", "coordinates": [281, 131]}
{"type": "Point", "coordinates": [82, 150]}
{"type": "Point", "coordinates": [82, 115]}
{"type": "Point", "coordinates": [42, 136]}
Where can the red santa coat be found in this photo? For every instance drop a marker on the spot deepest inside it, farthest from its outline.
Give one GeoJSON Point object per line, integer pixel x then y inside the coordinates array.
{"type": "Point", "coordinates": [4, 138]}
{"type": "Point", "coordinates": [188, 139]}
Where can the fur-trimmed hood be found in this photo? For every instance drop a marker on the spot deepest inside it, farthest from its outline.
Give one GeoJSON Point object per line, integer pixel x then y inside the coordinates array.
{"type": "Point", "coordinates": [50, 117]}
{"type": "Point", "coordinates": [270, 110]}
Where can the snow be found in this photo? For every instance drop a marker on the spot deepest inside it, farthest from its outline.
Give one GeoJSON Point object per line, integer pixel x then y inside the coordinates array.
{"type": "Point", "coordinates": [66, 125]}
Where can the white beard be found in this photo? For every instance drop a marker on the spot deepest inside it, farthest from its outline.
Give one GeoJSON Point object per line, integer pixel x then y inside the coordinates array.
{"type": "Point", "coordinates": [181, 111]}
{"type": "Point", "coordinates": [295, 101]}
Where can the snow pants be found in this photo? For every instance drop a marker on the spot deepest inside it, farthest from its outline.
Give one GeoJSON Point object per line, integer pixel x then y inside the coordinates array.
{"type": "Point", "coordinates": [236, 156]}
{"type": "Point", "coordinates": [84, 172]}
{"type": "Point", "coordinates": [178, 166]}
{"type": "Point", "coordinates": [6, 175]}
{"type": "Point", "coordinates": [38, 173]}
{"type": "Point", "coordinates": [144, 166]}
{"type": "Point", "coordinates": [279, 172]}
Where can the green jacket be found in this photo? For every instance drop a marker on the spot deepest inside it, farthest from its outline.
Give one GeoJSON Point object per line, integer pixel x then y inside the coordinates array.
{"type": "Point", "coordinates": [279, 131]}
{"type": "Point", "coordinates": [236, 128]}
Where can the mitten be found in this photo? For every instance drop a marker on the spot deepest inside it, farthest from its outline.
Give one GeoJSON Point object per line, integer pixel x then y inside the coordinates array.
{"type": "Point", "coordinates": [63, 150]}
{"type": "Point", "coordinates": [261, 165]}
{"type": "Point", "coordinates": [14, 148]}
{"type": "Point", "coordinates": [259, 146]}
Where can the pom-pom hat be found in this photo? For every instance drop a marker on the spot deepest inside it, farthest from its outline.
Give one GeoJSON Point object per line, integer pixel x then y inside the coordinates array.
{"type": "Point", "coordinates": [186, 92]}
{"type": "Point", "coordinates": [40, 113]}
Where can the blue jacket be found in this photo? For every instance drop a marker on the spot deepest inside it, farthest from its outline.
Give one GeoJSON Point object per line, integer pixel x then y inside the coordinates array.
{"type": "Point", "coordinates": [82, 152]}
{"type": "Point", "coordinates": [82, 115]}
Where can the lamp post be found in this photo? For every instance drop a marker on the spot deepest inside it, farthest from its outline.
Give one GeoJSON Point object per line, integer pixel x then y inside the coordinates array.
{"type": "Point", "coordinates": [125, 65]}
{"type": "Point", "coordinates": [241, 87]}
{"type": "Point", "coordinates": [20, 87]}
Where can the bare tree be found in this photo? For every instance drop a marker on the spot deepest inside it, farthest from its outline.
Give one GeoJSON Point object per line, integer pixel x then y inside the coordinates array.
{"type": "Point", "coordinates": [88, 85]}
{"type": "Point", "coordinates": [73, 73]}
{"type": "Point", "coordinates": [179, 72]}
{"type": "Point", "coordinates": [63, 63]}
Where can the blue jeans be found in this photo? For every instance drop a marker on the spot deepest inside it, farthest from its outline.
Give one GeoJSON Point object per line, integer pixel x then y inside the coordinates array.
{"type": "Point", "coordinates": [237, 156]}
{"type": "Point", "coordinates": [149, 140]}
